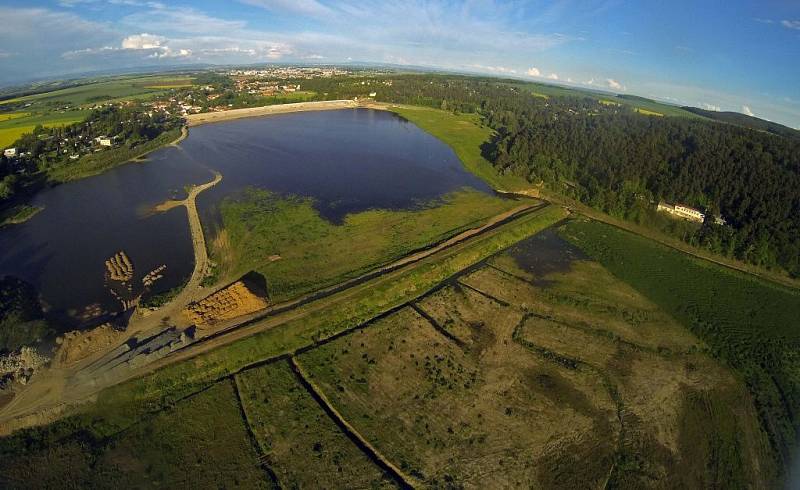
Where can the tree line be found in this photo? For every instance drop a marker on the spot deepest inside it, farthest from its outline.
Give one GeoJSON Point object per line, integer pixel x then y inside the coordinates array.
{"type": "Point", "coordinates": [621, 162]}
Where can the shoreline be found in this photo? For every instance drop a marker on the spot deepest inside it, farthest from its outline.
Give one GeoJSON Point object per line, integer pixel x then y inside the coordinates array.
{"type": "Point", "coordinates": [214, 117]}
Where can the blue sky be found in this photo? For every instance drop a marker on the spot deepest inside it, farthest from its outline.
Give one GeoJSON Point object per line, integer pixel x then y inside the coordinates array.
{"type": "Point", "coordinates": [718, 54]}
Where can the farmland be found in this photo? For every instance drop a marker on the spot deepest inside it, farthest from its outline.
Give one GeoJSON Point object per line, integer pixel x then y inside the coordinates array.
{"type": "Point", "coordinates": [73, 104]}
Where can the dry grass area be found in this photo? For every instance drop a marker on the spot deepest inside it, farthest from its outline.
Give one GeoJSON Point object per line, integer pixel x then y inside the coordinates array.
{"type": "Point", "coordinates": [685, 418]}
{"type": "Point", "coordinates": [491, 417]}
{"type": "Point", "coordinates": [302, 444]}
{"type": "Point", "coordinates": [510, 377]}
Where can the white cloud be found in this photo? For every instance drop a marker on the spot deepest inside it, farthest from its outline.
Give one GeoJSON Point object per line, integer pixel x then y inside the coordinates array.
{"type": "Point", "coordinates": [614, 85]}
{"type": "Point", "coordinates": [494, 69]}
{"type": "Point", "coordinates": [711, 107]}
{"type": "Point", "coordinates": [533, 72]}
{"type": "Point", "coordinates": [746, 110]}
{"type": "Point", "coordinates": [143, 41]}
{"type": "Point", "coordinates": [552, 76]}
{"type": "Point", "coordinates": [791, 24]}
{"type": "Point", "coordinates": [307, 7]}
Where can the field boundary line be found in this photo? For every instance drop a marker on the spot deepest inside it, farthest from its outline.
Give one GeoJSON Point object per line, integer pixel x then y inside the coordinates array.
{"type": "Point", "coordinates": [379, 459]}
{"type": "Point", "coordinates": [263, 458]}
{"type": "Point", "coordinates": [435, 325]}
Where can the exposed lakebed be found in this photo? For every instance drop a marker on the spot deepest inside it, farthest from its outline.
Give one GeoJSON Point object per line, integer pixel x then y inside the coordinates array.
{"type": "Point", "coordinates": [346, 160]}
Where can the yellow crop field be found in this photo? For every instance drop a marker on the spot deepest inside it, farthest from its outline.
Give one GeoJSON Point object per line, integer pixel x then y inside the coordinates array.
{"type": "Point", "coordinates": [648, 113]}
{"type": "Point", "coordinates": [13, 115]}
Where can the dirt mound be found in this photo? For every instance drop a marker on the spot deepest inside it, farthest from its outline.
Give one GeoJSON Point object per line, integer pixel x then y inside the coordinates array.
{"type": "Point", "coordinates": [76, 346]}
{"type": "Point", "coordinates": [235, 300]}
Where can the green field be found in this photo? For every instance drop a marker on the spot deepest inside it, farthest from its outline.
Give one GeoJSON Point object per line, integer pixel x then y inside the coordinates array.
{"type": "Point", "coordinates": [645, 106]}
{"type": "Point", "coordinates": [11, 129]}
{"type": "Point", "coordinates": [71, 105]}
{"type": "Point", "coordinates": [100, 92]}
{"type": "Point", "coordinates": [465, 135]}
{"type": "Point", "coordinates": [748, 323]}
{"type": "Point", "coordinates": [200, 443]}
{"type": "Point", "coordinates": [314, 253]}
{"type": "Point", "coordinates": [303, 445]}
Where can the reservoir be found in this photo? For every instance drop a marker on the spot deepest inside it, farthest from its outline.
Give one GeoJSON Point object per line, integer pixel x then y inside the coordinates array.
{"type": "Point", "coordinates": [346, 160]}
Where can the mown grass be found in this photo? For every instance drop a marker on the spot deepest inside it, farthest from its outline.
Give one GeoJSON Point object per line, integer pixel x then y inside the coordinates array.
{"type": "Point", "coordinates": [200, 443]}
{"type": "Point", "coordinates": [465, 135]}
{"type": "Point", "coordinates": [315, 253]}
{"type": "Point", "coordinates": [305, 448]}
{"type": "Point", "coordinates": [746, 322]}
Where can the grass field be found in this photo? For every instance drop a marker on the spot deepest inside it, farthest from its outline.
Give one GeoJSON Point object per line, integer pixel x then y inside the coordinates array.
{"type": "Point", "coordinates": [640, 104]}
{"type": "Point", "coordinates": [646, 112]}
{"type": "Point", "coordinates": [315, 253]}
{"type": "Point", "coordinates": [303, 445]}
{"type": "Point", "coordinates": [104, 91]}
{"type": "Point", "coordinates": [747, 323]}
{"type": "Point", "coordinates": [48, 110]}
{"type": "Point", "coordinates": [450, 417]}
{"type": "Point", "coordinates": [200, 443]}
{"type": "Point", "coordinates": [464, 134]}
{"type": "Point", "coordinates": [11, 129]}
{"type": "Point", "coordinates": [13, 115]}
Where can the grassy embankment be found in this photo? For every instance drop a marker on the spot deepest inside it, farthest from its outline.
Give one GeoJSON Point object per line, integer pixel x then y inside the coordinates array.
{"type": "Point", "coordinates": [465, 135]}
{"type": "Point", "coordinates": [315, 253]}
{"type": "Point", "coordinates": [748, 323]}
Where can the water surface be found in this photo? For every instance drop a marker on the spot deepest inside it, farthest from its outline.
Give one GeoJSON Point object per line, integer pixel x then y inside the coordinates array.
{"type": "Point", "coordinates": [346, 160]}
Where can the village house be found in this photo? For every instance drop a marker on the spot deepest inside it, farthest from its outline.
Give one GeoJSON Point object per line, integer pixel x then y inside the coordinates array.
{"type": "Point", "coordinates": [10, 152]}
{"type": "Point", "coordinates": [103, 140]}
{"type": "Point", "coordinates": [681, 211]}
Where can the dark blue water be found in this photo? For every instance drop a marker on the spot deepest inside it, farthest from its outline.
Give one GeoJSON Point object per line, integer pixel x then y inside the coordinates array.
{"type": "Point", "coordinates": [348, 161]}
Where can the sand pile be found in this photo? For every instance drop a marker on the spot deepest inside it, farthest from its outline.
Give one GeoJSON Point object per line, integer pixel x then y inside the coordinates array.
{"type": "Point", "coordinates": [230, 302]}
{"type": "Point", "coordinates": [76, 346]}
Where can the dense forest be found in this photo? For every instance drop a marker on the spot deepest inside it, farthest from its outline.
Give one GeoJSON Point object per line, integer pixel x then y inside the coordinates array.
{"type": "Point", "coordinates": [616, 160]}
